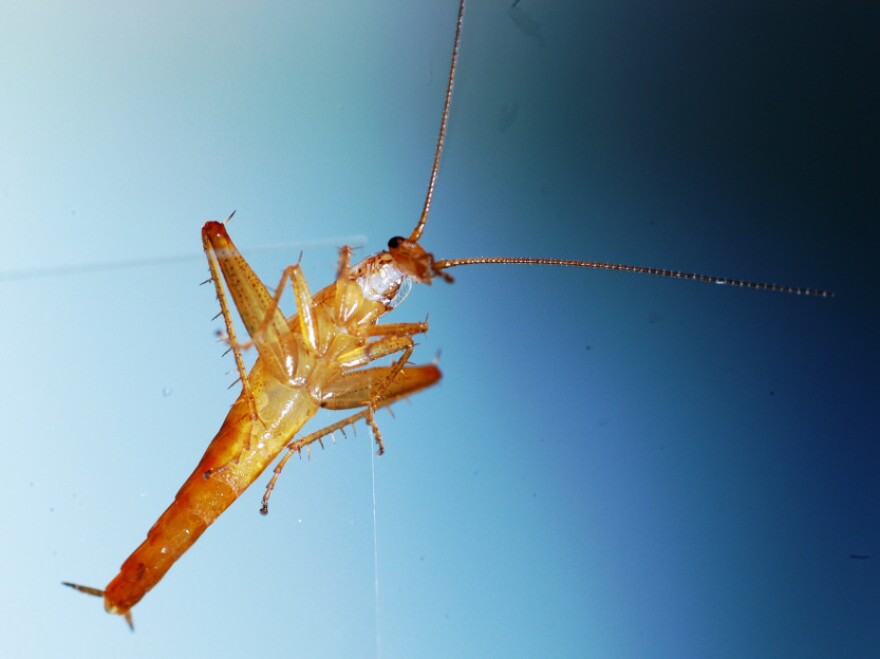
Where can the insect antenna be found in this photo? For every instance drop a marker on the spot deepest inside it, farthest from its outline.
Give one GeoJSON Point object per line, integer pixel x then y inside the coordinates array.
{"type": "Point", "coordinates": [441, 137]}
{"type": "Point", "coordinates": [657, 272]}
{"type": "Point", "coordinates": [438, 266]}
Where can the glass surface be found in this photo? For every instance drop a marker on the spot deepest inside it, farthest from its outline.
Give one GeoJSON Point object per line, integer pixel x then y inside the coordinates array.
{"type": "Point", "coordinates": [613, 465]}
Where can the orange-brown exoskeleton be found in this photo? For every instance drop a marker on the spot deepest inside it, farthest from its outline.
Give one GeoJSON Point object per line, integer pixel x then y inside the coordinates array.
{"type": "Point", "coordinates": [321, 357]}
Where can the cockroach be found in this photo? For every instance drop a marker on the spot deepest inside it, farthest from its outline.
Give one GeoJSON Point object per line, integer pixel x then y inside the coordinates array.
{"type": "Point", "coordinates": [320, 357]}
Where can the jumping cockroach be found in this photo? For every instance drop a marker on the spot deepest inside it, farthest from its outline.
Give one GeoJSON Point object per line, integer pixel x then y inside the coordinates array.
{"type": "Point", "coordinates": [320, 357]}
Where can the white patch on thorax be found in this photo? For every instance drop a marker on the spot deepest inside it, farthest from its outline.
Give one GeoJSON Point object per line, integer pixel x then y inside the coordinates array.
{"type": "Point", "coordinates": [386, 284]}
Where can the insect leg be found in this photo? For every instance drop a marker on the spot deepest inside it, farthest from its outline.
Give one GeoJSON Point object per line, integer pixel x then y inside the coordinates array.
{"type": "Point", "coordinates": [369, 387]}
{"type": "Point", "coordinates": [393, 338]}
{"type": "Point", "coordinates": [216, 273]}
{"type": "Point", "coordinates": [259, 311]}
{"type": "Point", "coordinates": [362, 355]}
{"type": "Point", "coordinates": [355, 390]}
{"type": "Point", "coordinates": [394, 329]}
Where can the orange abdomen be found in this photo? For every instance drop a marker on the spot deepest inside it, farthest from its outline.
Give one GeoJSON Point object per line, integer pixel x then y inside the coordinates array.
{"type": "Point", "coordinates": [196, 505]}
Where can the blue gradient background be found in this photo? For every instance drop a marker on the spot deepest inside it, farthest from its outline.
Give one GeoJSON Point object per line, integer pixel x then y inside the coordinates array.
{"type": "Point", "coordinates": [612, 466]}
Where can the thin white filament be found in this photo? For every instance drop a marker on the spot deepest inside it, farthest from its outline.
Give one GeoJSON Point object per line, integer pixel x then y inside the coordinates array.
{"type": "Point", "coordinates": [375, 547]}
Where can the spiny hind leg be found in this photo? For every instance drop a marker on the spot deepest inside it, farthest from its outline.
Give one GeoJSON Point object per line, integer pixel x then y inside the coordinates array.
{"type": "Point", "coordinates": [380, 392]}
{"type": "Point", "coordinates": [370, 393]}
{"type": "Point", "coordinates": [352, 390]}
{"type": "Point", "coordinates": [297, 447]}
{"type": "Point", "coordinates": [370, 388]}
{"type": "Point", "coordinates": [259, 309]}
{"type": "Point", "coordinates": [230, 337]}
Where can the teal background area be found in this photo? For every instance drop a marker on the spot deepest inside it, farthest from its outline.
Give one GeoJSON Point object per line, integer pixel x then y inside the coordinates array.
{"type": "Point", "coordinates": [612, 466]}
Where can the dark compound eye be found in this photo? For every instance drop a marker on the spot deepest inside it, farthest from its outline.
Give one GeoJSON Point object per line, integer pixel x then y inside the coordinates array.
{"type": "Point", "coordinates": [394, 243]}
